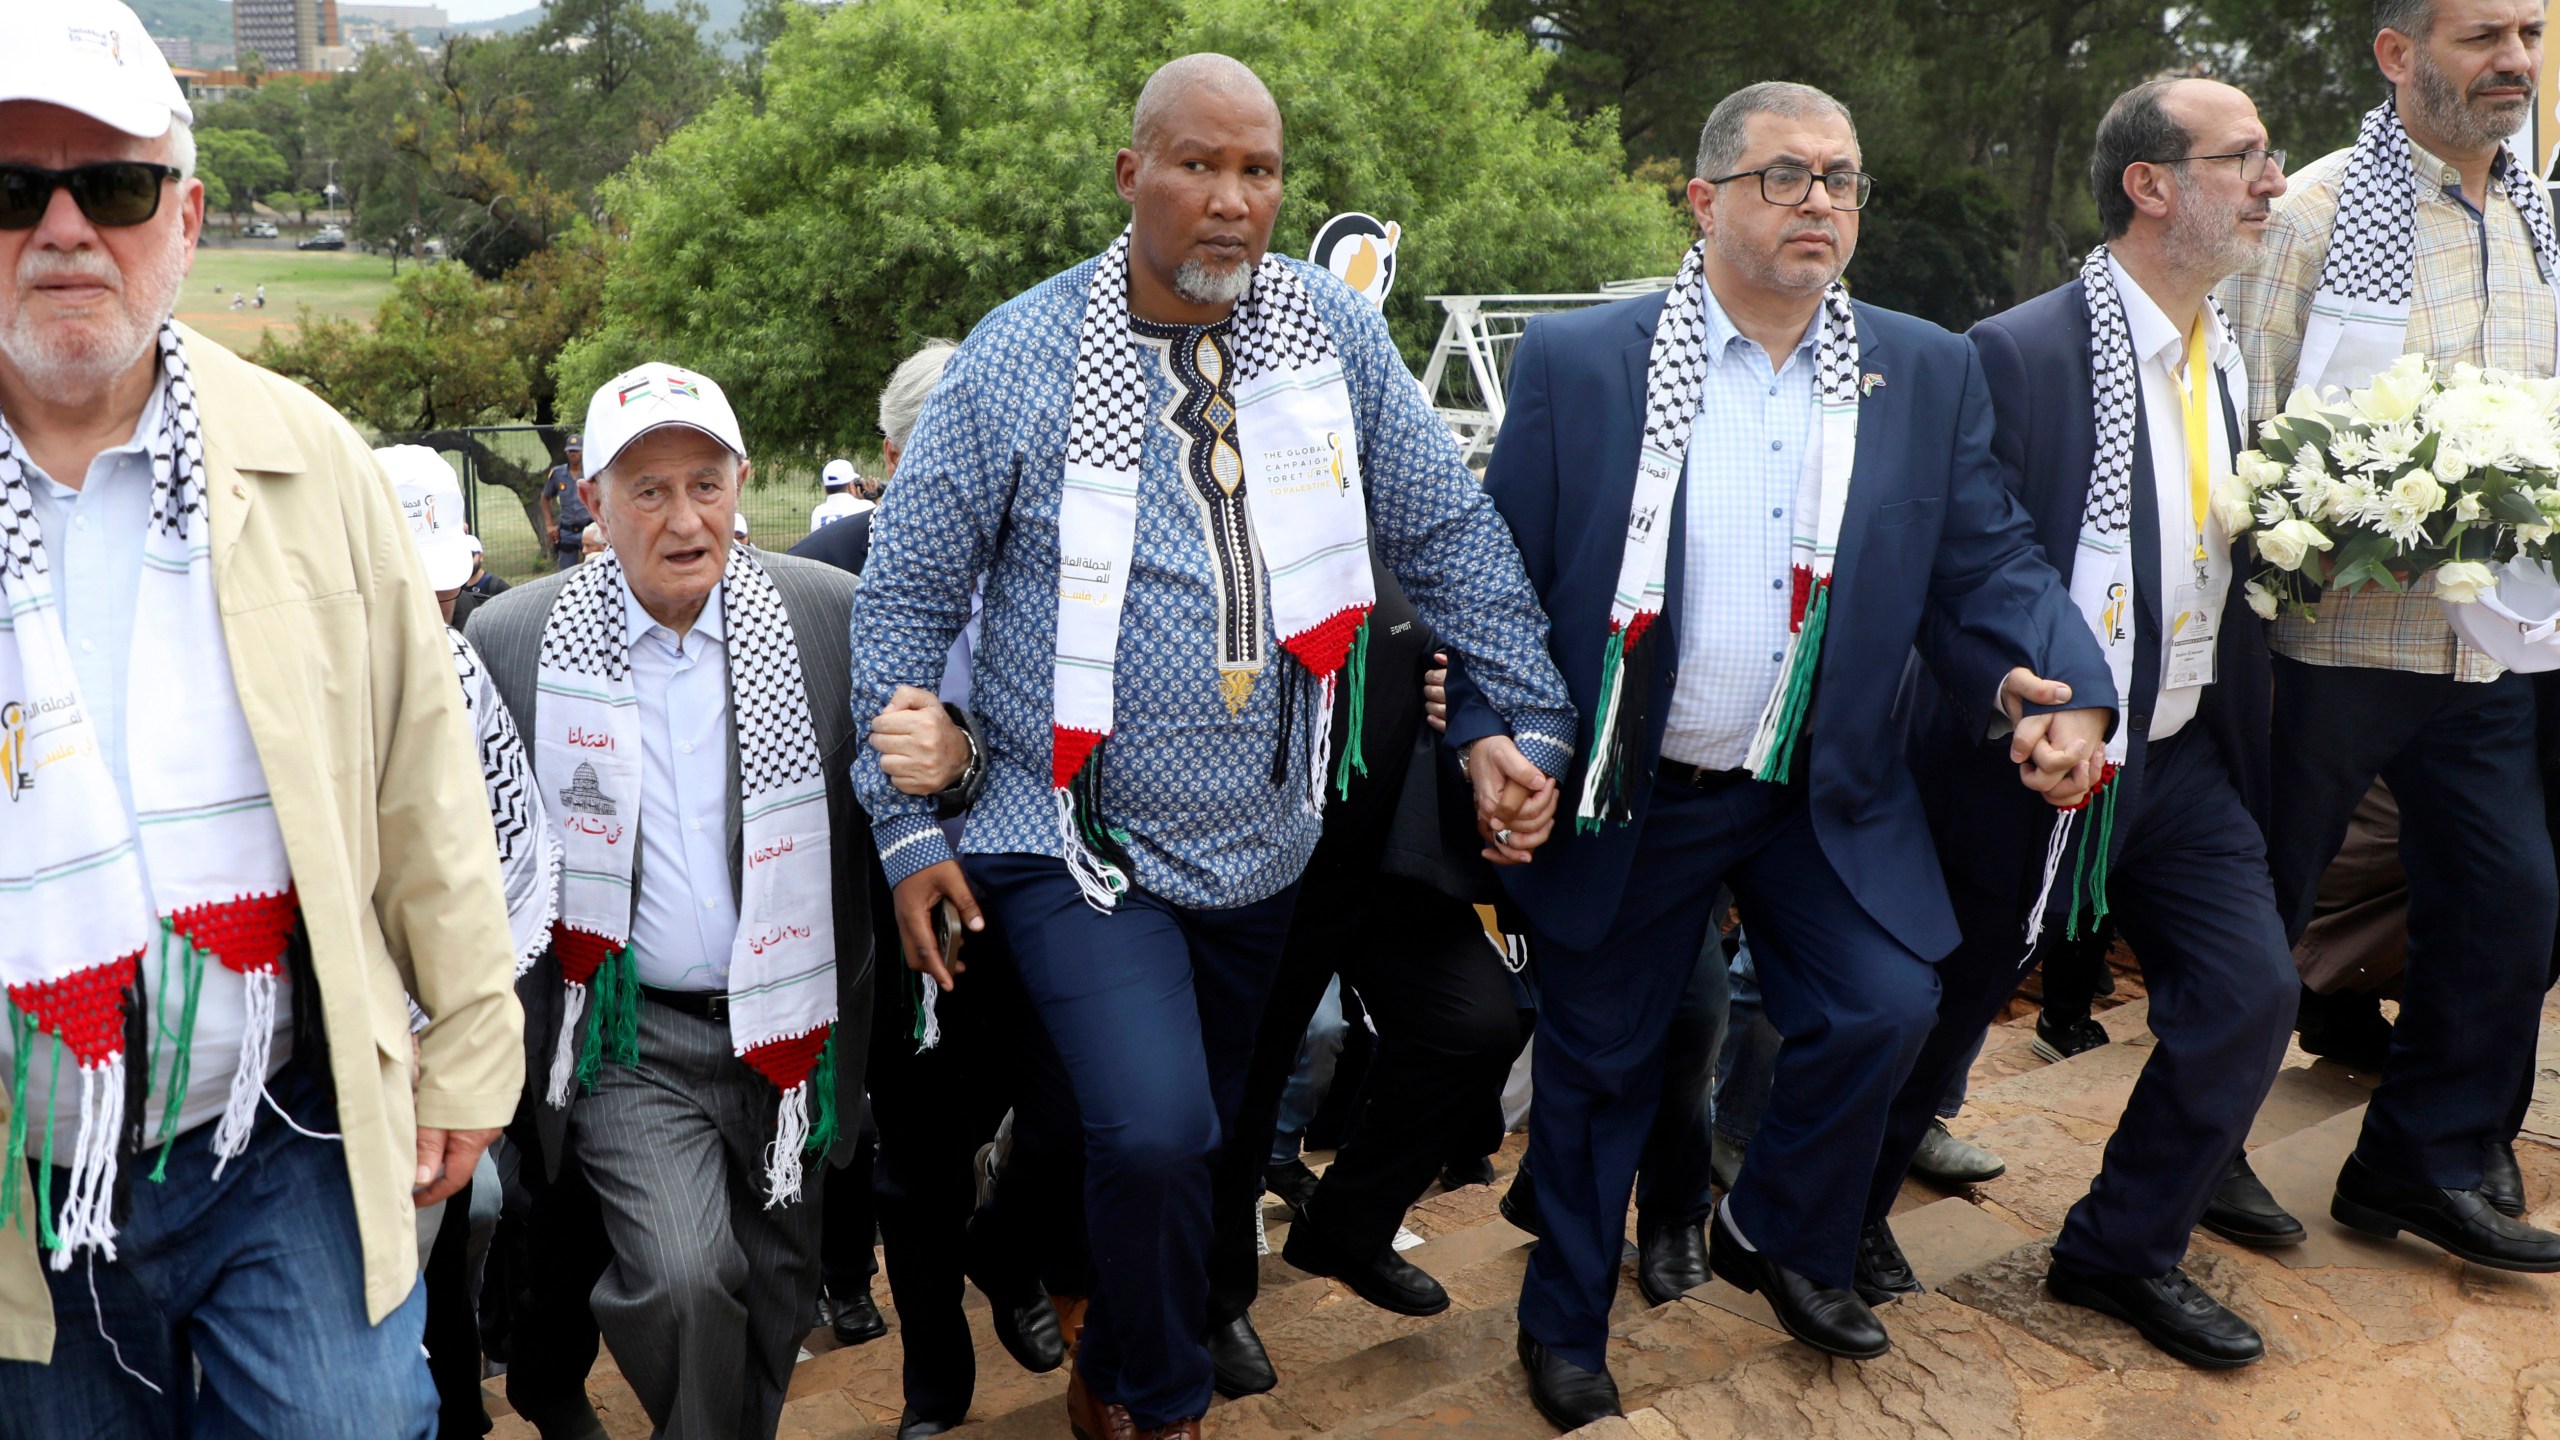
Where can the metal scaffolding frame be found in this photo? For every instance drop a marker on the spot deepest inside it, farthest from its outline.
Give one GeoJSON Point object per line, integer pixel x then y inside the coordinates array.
{"type": "Point", "coordinates": [1479, 335]}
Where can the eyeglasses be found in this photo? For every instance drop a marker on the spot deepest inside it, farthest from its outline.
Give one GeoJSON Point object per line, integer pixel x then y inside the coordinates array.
{"type": "Point", "coordinates": [2253, 163]}
{"type": "Point", "coordinates": [1790, 184]}
{"type": "Point", "coordinates": [114, 194]}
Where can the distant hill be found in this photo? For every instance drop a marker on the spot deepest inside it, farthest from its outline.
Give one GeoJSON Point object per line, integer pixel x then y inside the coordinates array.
{"type": "Point", "coordinates": [725, 15]}
{"type": "Point", "coordinates": [189, 19]}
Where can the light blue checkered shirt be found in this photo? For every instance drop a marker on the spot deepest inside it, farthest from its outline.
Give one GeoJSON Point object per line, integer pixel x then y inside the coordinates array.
{"type": "Point", "coordinates": [1746, 452]}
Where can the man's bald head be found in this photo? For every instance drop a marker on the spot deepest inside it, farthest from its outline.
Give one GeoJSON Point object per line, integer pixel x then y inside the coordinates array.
{"type": "Point", "coordinates": [1178, 81]}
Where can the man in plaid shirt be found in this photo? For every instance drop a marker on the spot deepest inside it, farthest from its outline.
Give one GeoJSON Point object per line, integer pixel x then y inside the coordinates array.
{"type": "Point", "coordinates": [2431, 221]}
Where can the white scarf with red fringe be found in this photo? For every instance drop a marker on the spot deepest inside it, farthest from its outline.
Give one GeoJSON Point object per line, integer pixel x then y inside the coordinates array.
{"type": "Point", "coordinates": [74, 919]}
{"type": "Point", "coordinates": [1675, 382]}
{"type": "Point", "coordinates": [1297, 440]}
{"type": "Point", "coordinates": [586, 754]}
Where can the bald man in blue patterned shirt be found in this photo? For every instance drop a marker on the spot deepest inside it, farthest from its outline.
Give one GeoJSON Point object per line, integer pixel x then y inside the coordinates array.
{"type": "Point", "coordinates": [1159, 431]}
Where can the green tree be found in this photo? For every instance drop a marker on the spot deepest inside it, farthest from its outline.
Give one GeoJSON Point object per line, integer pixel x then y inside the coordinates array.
{"type": "Point", "coordinates": [2308, 63]}
{"type": "Point", "coordinates": [917, 162]}
{"type": "Point", "coordinates": [245, 161]}
{"type": "Point", "coordinates": [437, 354]}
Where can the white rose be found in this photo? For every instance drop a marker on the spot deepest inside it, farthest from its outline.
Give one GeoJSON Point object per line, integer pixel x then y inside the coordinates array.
{"type": "Point", "coordinates": [2257, 471]}
{"type": "Point", "coordinates": [2262, 600]}
{"type": "Point", "coordinates": [2395, 393]}
{"type": "Point", "coordinates": [2417, 493]}
{"type": "Point", "coordinates": [2464, 581]}
{"type": "Point", "coordinates": [2285, 545]}
{"type": "Point", "coordinates": [2467, 507]}
{"type": "Point", "coordinates": [2231, 504]}
{"type": "Point", "coordinates": [2451, 464]}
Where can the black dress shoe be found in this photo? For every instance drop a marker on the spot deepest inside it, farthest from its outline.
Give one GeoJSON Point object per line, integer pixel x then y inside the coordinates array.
{"type": "Point", "coordinates": [1835, 1322]}
{"type": "Point", "coordinates": [1568, 1395]}
{"type": "Point", "coordinates": [1026, 1324]}
{"type": "Point", "coordinates": [1671, 1260]}
{"type": "Point", "coordinates": [857, 1321]}
{"type": "Point", "coordinates": [2171, 1312]}
{"type": "Point", "coordinates": [1519, 1205]}
{"type": "Point", "coordinates": [2501, 1181]}
{"type": "Point", "coordinates": [1459, 1174]}
{"type": "Point", "coordinates": [1386, 1280]}
{"type": "Point", "coordinates": [2058, 1039]}
{"type": "Point", "coordinates": [1242, 1366]}
{"type": "Point", "coordinates": [2244, 1213]}
{"type": "Point", "coordinates": [2458, 1222]}
{"type": "Point", "coordinates": [2347, 1027]}
{"type": "Point", "coordinates": [1293, 1182]}
{"type": "Point", "coordinates": [1883, 1274]}
{"type": "Point", "coordinates": [912, 1426]}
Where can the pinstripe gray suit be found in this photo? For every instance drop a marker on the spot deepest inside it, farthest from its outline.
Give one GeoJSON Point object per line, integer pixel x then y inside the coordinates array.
{"type": "Point", "coordinates": [709, 1291]}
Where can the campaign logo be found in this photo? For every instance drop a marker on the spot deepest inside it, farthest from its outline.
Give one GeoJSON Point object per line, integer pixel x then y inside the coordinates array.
{"type": "Point", "coordinates": [1360, 250]}
{"type": "Point", "coordinates": [13, 749]}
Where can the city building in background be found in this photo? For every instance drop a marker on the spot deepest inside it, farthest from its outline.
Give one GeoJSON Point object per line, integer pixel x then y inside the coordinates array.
{"type": "Point", "coordinates": [287, 34]}
{"type": "Point", "coordinates": [364, 26]}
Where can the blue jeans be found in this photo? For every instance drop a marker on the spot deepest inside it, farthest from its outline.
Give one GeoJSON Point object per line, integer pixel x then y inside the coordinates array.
{"type": "Point", "coordinates": [258, 1278]}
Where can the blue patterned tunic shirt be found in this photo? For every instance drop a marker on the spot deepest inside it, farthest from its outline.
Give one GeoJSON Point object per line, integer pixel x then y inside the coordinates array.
{"type": "Point", "coordinates": [1189, 779]}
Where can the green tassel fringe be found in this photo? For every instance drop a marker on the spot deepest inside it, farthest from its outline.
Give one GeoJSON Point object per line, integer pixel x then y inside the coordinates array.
{"type": "Point", "coordinates": [1613, 659]}
{"type": "Point", "coordinates": [45, 1234]}
{"type": "Point", "coordinates": [2103, 821]}
{"type": "Point", "coordinates": [822, 1099]}
{"type": "Point", "coordinates": [612, 1030]}
{"type": "Point", "coordinates": [22, 1033]}
{"type": "Point", "coordinates": [1797, 705]}
{"type": "Point", "coordinates": [181, 1042]}
{"type": "Point", "coordinates": [1355, 674]}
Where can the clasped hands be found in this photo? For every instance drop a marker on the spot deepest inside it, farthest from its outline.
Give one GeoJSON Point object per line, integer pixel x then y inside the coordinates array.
{"type": "Point", "coordinates": [2060, 754]}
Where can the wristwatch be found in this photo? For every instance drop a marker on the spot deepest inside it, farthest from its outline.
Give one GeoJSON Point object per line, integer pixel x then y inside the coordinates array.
{"type": "Point", "coordinates": [954, 802]}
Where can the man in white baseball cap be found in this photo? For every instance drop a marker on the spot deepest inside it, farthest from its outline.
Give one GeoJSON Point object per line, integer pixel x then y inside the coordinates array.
{"type": "Point", "coordinates": [685, 699]}
{"type": "Point", "coordinates": [218, 630]}
{"type": "Point", "coordinates": [431, 499]}
{"type": "Point", "coordinates": [844, 498]}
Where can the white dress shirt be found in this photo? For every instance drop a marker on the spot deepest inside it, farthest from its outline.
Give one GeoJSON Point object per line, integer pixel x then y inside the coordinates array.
{"type": "Point", "coordinates": [1746, 452]}
{"type": "Point", "coordinates": [93, 541]}
{"type": "Point", "coordinates": [2161, 349]}
{"type": "Point", "coordinates": [684, 912]}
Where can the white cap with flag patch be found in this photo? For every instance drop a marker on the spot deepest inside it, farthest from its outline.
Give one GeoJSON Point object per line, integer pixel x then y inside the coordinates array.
{"type": "Point", "coordinates": [92, 56]}
{"type": "Point", "coordinates": [645, 397]}
{"type": "Point", "coordinates": [431, 497]}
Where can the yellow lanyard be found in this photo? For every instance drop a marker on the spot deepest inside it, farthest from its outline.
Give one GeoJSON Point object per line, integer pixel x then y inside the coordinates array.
{"type": "Point", "coordinates": [2194, 396]}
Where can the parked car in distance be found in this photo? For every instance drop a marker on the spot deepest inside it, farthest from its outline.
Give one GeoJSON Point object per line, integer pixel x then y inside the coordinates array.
{"type": "Point", "coordinates": [327, 237]}
{"type": "Point", "coordinates": [258, 230]}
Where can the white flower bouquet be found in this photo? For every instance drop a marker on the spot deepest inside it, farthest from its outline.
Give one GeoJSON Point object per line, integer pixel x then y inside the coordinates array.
{"type": "Point", "coordinates": [2423, 472]}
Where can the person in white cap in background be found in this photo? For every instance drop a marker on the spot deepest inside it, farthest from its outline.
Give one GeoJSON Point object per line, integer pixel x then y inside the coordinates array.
{"type": "Point", "coordinates": [430, 496]}
{"type": "Point", "coordinates": [219, 630]}
{"type": "Point", "coordinates": [592, 542]}
{"type": "Point", "coordinates": [688, 705]}
{"type": "Point", "coordinates": [738, 525]}
{"type": "Point", "coordinates": [844, 495]}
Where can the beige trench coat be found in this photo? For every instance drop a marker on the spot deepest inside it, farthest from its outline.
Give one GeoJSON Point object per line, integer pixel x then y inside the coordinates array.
{"type": "Point", "coordinates": [343, 671]}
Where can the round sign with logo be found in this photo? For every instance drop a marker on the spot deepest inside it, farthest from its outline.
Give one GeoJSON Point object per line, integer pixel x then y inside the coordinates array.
{"type": "Point", "coordinates": [1360, 250]}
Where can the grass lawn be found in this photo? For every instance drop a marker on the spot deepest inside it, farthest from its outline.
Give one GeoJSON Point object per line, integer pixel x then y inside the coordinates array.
{"type": "Point", "coordinates": [341, 283]}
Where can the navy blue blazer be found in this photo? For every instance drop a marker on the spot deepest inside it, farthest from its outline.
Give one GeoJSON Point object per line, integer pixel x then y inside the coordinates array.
{"type": "Point", "coordinates": [1930, 531]}
{"type": "Point", "coordinates": [1991, 830]}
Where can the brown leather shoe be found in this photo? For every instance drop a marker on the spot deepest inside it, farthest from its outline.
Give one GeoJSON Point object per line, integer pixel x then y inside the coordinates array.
{"type": "Point", "coordinates": [1091, 1419]}
{"type": "Point", "coordinates": [1070, 1310]}
{"type": "Point", "coordinates": [1178, 1430]}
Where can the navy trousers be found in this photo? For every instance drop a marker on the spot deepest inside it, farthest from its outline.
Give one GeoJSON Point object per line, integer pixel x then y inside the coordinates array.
{"type": "Point", "coordinates": [2483, 897]}
{"type": "Point", "coordinates": [2191, 895]}
{"type": "Point", "coordinates": [1851, 1001]}
{"type": "Point", "coordinates": [1151, 1012]}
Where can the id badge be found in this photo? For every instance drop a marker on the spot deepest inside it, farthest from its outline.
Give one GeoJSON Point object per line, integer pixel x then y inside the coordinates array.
{"type": "Point", "coordinates": [2195, 619]}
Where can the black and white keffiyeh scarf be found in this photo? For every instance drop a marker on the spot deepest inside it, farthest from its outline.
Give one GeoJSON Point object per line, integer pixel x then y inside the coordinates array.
{"type": "Point", "coordinates": [74, 923]}
{"type": "Point", "coordinates": [587, 756]}
{"type": "Point", "coordinates": [1295, 452]}
{"type": "Point", "coordinates": [2360, 315]}
{"type": "Point", "coordinates": [1675, 383]}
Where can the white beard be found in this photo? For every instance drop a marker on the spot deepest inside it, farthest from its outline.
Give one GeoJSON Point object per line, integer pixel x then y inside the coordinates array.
{"type": "Point", "coordinates": [67, 363]}
{"type": "Point", "coordinates": [1201, 285]}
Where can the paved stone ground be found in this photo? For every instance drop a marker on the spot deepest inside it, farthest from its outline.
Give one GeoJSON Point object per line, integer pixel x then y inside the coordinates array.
{"type": "Point", "coordinates": [2367, 1340]}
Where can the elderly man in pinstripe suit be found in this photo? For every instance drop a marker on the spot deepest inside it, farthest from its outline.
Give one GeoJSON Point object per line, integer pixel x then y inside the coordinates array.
{"type": "Point", "coordinates": [688, 700]}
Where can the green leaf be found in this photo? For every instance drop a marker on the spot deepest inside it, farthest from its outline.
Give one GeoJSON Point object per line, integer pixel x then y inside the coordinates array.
{"type": "Point", "coordinates": [2514, 507]}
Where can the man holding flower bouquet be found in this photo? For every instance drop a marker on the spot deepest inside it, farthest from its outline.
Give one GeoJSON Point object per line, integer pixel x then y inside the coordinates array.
{"type": "Point", "coordinates": [2118, 400]}
{"type": "Point", "coordinates": [2389, 270]}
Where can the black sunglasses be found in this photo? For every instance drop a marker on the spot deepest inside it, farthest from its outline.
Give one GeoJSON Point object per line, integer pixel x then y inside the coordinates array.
{"type": "Point", "coordinates": [115, 193]}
